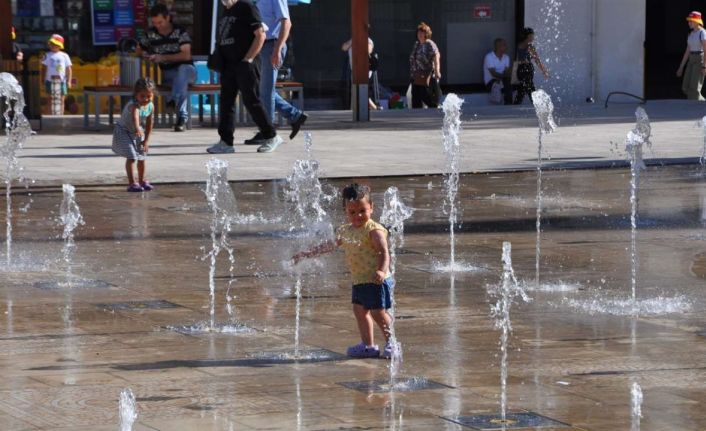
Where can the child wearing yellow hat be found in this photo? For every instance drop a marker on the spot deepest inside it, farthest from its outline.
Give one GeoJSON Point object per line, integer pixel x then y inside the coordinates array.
{"type": "Point", "coordinates": [58, 67]}
{"type": "Point", "coordinates": [692, 66]}
{"type": "Point", "coordinates": [17, 53]}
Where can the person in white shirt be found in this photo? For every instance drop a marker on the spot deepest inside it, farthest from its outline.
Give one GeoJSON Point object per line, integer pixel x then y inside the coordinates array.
{"type": "Point", "coordinates": [348, 47]}
{"type": "Point", "coordinates": [497, 68]}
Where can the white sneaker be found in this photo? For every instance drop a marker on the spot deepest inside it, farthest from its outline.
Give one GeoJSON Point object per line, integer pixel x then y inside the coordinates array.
{"type": "Point", "coordinates": [220, 148]}
{"type": "Point", "coordinates": [269, 145]}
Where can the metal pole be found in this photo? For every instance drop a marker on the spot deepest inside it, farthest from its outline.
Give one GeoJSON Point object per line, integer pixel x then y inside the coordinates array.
{"type": "Point", "coordinates": [214, 25]}
{"type": "Point", "coordinates": [359, 32]}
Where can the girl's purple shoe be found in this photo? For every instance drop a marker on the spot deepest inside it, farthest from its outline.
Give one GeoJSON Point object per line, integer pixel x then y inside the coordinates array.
{"type": "Point", "coordinates": [134, 187]}
{"type": "Point", "coordinates": [146, 186]}
{"type": "Point", "coordinates": [363, 351]}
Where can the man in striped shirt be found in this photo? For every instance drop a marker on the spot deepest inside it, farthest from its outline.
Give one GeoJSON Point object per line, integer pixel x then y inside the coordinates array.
{"type": "Point", "coordinates": [169, 45]}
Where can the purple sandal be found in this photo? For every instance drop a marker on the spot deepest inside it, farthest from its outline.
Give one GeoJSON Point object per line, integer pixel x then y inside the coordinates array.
{"type": "Point", "coordinates": [363, 351]}
{"type": "Point", "coordinates": [134, 187]}
{"type": "Point", "coordinates": [146, 186]}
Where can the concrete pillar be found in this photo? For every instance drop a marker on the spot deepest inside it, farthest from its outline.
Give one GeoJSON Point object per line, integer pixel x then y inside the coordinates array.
{"type": "Point", "coordinates": [359, 36]}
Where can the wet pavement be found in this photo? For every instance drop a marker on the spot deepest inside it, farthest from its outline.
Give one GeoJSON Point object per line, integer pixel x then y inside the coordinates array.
{"type": "Point", "coordinates": [65, 354]}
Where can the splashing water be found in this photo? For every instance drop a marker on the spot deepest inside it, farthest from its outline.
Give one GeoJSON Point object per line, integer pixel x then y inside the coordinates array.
{"type": "Point", "coordinates": [636, 139]}
{"type": "Point", "coordinates": [506, 293]}
{"type": "Point", "coordinates": [306, 193]}
{"type": "Point", "coordinates": [394, 214]}
{"type": "Point", "coordinates": [452, 149]}
{"type": "Point", "coordinates": [18, 131]}
{"type": "Point", "coordinates": [223, 207]}
{"type": "Point", "coordinates": [636, 396]}
{"type": "Point", "coordinates": [127, 409]}
{"type": "Point", "coordinates": [659, 305]}
{"type": "Point", "coordinates": [70, 218]}
{"type": "Point", "coordinates": [544, 108]}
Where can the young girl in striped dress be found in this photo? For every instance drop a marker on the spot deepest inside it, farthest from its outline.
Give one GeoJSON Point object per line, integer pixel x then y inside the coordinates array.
{"type": "Point", "coordinates": [132, 133]}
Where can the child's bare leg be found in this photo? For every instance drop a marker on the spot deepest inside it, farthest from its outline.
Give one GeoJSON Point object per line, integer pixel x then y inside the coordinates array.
{"type": "Point", "coordinates": [128, 170]}
{"type": "Point", "coordinates": [383, 320]}
{"type": "Point", "coordinates": [141, 171]}
{"type": "Point", "coordinates": [365, 324]}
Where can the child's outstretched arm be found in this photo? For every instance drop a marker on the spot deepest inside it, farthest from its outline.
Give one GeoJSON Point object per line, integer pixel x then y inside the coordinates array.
{"type": "Point", "coordinates": [326, 247]}
{"type": "Point", "coordinates": [380, 245]}
{"type": "Point", "coordinates": [148, 131]}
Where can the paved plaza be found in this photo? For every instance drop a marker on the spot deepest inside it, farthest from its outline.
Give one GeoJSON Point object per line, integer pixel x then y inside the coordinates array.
{"type": "Point", "coordinates": [395, 142]}
{"type": "Point", "coordinates": [67, 353]}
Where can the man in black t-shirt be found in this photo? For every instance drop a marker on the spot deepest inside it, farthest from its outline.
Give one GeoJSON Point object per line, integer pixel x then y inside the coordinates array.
{"type": "Point", "coordinates": [239, 40]}
{"type": "Point", "coordinates": [169, 45]}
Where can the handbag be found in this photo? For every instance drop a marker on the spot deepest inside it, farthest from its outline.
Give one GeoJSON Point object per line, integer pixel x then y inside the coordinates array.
{"type": "Point", "coordinates": [435, 91]}
{"type": "Point", "coordinates": [496, 93]}
{"type": "Point", "coordinates": [423, 80]}
{"type": "Point", "coordinates": [216, 62]}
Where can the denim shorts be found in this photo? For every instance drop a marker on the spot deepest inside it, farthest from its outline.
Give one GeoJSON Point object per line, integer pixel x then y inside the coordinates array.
{"type": "Point", "coordinates": [373, 296]}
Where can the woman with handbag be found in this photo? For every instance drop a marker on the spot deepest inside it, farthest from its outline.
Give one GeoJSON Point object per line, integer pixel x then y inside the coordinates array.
{"type": "Point", "coordinates": [692, 66]}
{"type": "Point", "coordinates": [425, 70]}
{"type": "Point", "coordinates": [526, 54]}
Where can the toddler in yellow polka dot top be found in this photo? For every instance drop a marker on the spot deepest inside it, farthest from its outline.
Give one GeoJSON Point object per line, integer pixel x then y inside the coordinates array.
{"type": "Point", "coordinates": [364, 243]}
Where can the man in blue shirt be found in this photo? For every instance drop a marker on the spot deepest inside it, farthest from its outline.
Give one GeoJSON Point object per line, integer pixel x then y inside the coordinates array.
{"type": "Point", "coordinates": [275, 15]}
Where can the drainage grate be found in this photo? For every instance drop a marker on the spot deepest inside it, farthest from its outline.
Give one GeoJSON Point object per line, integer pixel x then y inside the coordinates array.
{"type": "Point", "coordinates": [492, 422]}
{"type": "Point", "coordinates": [74, 284]}
{"type": "Point", "coordinates": [410, 384]}
{"type": "Point", "coordinates": [158, 304]}
{"type": "Point", "coordinates": [218, 328]}
{"type": "Point", "coordinates": [301, 355]}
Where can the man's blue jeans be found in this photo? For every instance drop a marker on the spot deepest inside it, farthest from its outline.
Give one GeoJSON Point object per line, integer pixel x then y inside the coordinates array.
{"type": "Point", "coordinates": [179, 79]}
{"type": "Point", "coordinates": [269, 97]}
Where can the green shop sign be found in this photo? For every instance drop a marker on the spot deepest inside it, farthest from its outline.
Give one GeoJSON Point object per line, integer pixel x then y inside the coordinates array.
{"type": "Point", "coordinates": [103, 4]}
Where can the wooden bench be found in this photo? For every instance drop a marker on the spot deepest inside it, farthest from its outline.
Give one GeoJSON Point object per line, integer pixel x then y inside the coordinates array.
{"type": "Point", "coordinates": [200, 90]}
{"type": "Point", "coordinates": [96, 92]}
{"type": "Point", "coordinates": [112, 91]}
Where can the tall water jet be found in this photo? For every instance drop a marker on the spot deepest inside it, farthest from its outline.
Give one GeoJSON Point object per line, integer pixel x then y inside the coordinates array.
{"type": "Point", "coordinates": [70, 218]}
{"type": "Point", "coordinates": [638, 137]}
{"type": "Point", "coordinates": [506, 293]}
{"type": "Point", "coordinates": [223, 208]}
{"type": "Point", "coordinates": [127, 410]}
{"type": "Point", "coordinates": [702, 159]}
{"type": "Point", "coordinates": [297, 314]}
{"type": "Point", "coordinates": [544, 108]}
{"type": "Point", "coordinates": [452, 149]}
{"type": "Point", "coordinates": [551, 44]}
{"type": "Point", "coordinates": [636, 398]}
{"type": "Point", "coordinates": [18, 130]}
{"type": "Point", "coordinates": [394, 214]}
{"type": "Point", "coordinates": [306, 195]}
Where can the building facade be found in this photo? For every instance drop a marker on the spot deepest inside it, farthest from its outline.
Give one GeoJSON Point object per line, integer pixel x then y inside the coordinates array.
{"type": "Point", "coordinates": [592, 47]}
